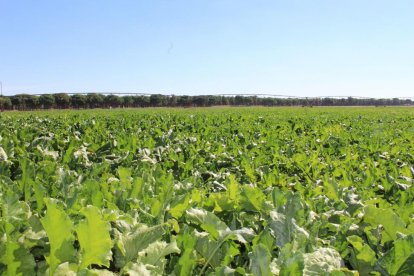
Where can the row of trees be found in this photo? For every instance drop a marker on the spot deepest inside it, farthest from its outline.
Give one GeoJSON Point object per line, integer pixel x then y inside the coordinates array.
{"type": "Point", "coordinates": [95, 100]}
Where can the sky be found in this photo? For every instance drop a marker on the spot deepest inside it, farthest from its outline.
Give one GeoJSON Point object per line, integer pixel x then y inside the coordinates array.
{"type": "Point", "coordinates": [288, 47]}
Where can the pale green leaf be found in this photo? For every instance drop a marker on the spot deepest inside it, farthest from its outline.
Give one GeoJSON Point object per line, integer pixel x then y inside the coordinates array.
{"type": "Point", "coordinates": [59, 229]}
{"type": "Point", "coordinates": [14, 212]}
{"type": "Point", "coordinates": [137, 269]}
{"type": "Point", "coordinates": [321, 262]}
{"type": "Point", "coordinates": [66, 269]}
{"type": "Point", "coordinates": [284, 228]}
{"type": "Point", "coordinates": [130, 244]}
{"type": "Point", "coordinates": [94, 239]}
{"type": "Point", "coordinates": [155, 253]}
{"type": "Point", "coordinates": [3, 155]}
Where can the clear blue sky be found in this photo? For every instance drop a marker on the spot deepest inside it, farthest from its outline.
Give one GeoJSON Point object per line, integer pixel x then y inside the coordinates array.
{"type": "Point", "coordinates": [302, 48]}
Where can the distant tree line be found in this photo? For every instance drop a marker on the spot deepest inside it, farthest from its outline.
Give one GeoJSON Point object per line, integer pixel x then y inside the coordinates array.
{"type": "Point", "coordinates": [96, 100]}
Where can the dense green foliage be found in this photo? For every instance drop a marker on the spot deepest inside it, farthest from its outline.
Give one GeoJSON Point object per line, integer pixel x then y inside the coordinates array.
{"type": "Point", "coordinates": [207, 191]}
{"type": "Point", "coordinates": [95, 100]}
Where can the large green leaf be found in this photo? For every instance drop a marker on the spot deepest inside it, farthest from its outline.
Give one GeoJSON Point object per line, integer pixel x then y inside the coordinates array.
{"type": "Point", "coordinates": [187, 260]}
{"type": "Point", "coordinates": [260, 260]}
{"type": "Point", "coordinates": [215, 253]}
{"type": "Point", "coordinates": [14, 213]}
{"type": "Point", "coordinates": [400, 259]}
{"type": "Point", "coordinates": [331, 188]}
{"type": "Point", "coordinates": [207, 221]}
{"type": "Point", "coordinates": [94, 239]}
{"type": "Point", "coordinates": [125, 177]}
{"type": "Point", "coordinates": [130, 244]}
{"type": "Point", "coordinates": [17, 259]}
{"type": "Point", "coordinates": [391, 222]}
{"type": "Point", "coordinates": [363, 258]}
{"type": "Point", "coordinates": [154, 255]}
{"type": "Point", "coordinates": [217, 228]}
{"type": "Point", "coordinates": [180, 206]}
{"type": "Point", "coordinates": [59, 229]}
{"type": "Point", "coordinates": [233, 191]}
{"type": "Point", "coordinates": [252, 199]}
{"type": "Point", "coordinates": [284, 228]}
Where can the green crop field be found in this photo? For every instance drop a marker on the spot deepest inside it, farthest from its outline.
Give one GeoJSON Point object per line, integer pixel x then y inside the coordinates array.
{"type": "Point", "coordinates": [219, 191]}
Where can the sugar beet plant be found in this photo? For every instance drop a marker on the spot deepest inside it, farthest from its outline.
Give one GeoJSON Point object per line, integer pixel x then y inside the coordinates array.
{"type": "Point", "coordinates": [208, 192]}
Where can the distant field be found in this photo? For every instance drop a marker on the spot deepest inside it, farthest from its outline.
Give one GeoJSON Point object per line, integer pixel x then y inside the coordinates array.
{"type": "Point", "coordinates": [223, 190]}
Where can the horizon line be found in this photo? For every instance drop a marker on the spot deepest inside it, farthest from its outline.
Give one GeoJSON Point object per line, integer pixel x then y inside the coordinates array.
{"type": "Point", "coordinates": [220, 94]}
